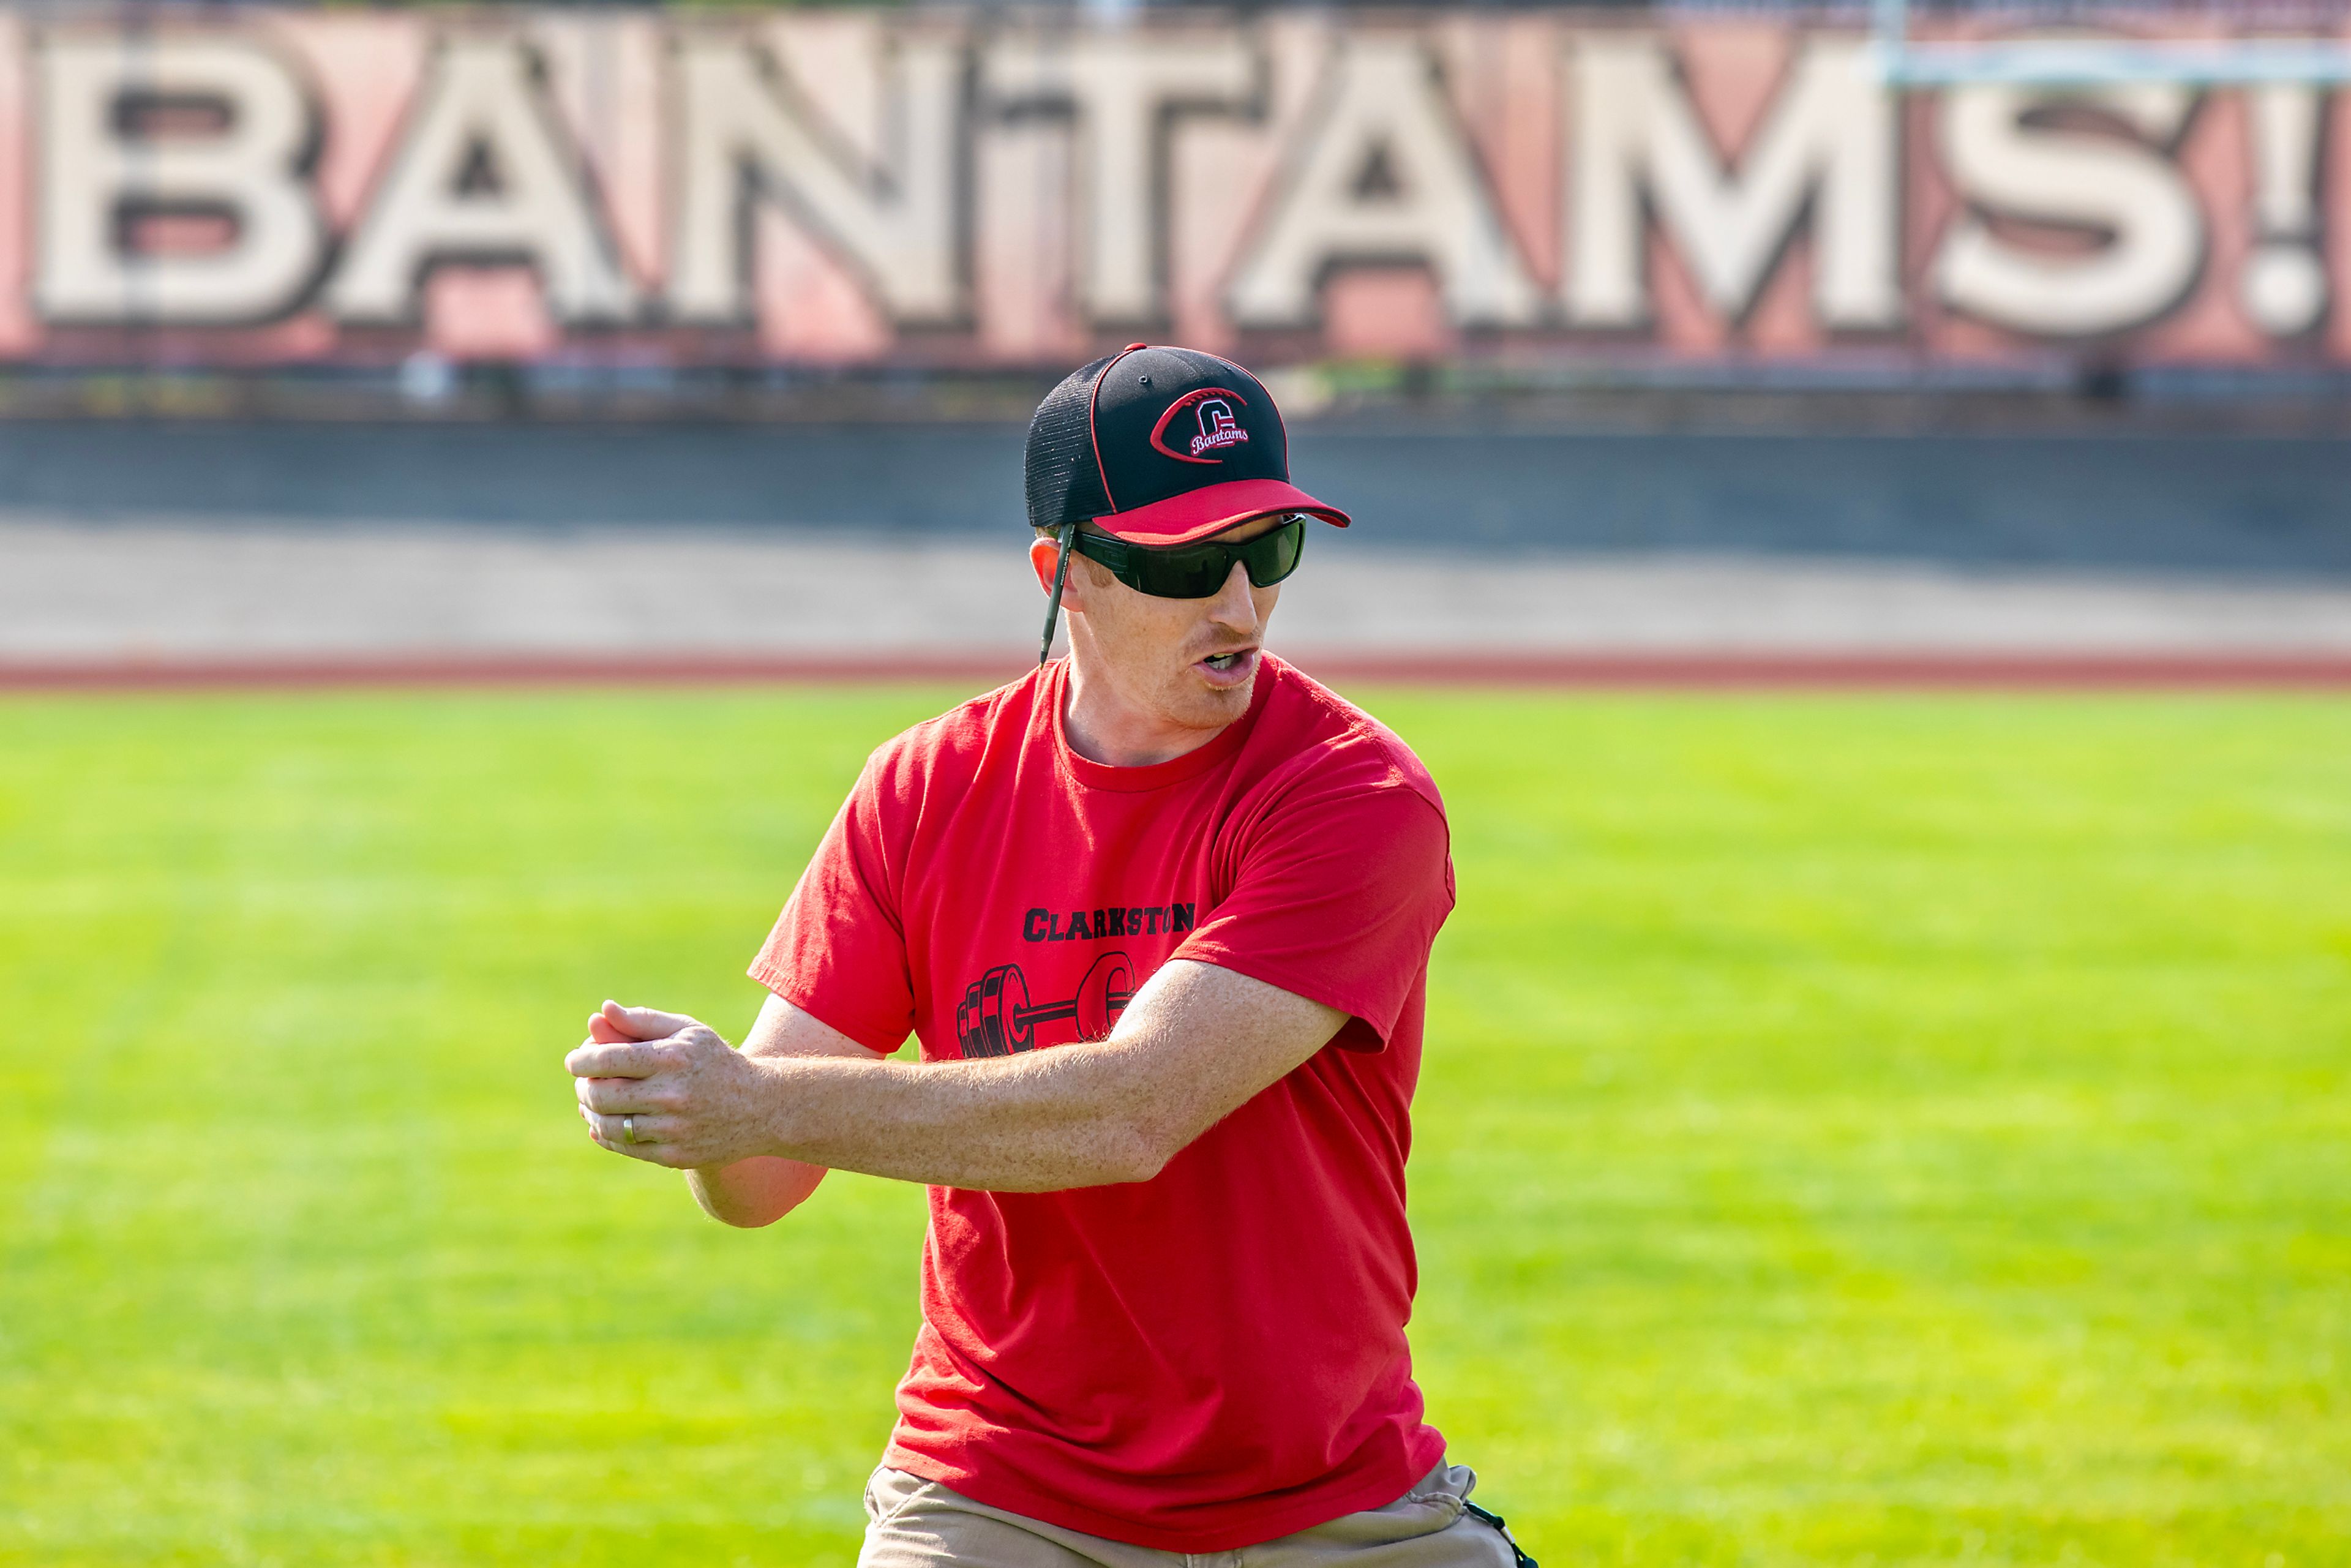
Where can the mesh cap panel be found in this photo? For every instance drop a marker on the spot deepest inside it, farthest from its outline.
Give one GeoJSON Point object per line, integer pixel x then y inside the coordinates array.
{"type": "Point", "coordinates": [1064, 481]}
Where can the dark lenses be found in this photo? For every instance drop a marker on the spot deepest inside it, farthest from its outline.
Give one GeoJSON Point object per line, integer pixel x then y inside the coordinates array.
{"type": "Point", "coordinates": [1276, 553]}
{"type": "Point", "coordinates": [1197, 572]}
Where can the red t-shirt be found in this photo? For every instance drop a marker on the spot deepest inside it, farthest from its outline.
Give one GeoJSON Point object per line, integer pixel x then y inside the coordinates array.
{"type": "Point", "coordinates": [1214, 1357]}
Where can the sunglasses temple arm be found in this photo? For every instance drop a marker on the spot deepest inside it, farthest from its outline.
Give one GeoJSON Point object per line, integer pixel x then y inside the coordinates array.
{"type": "Point", "coordinates": [1053, 604]}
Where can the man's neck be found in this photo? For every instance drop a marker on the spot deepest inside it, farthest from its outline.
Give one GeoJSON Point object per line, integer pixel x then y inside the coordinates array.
{"type": "Point", "coordinates": [1103, 727]}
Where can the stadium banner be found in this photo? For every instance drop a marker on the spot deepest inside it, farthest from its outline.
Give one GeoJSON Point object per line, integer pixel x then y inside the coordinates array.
{"type": "Point", "coordinates": [907, 188]}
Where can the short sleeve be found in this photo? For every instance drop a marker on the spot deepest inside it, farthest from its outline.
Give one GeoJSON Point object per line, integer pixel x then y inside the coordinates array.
{"type": "Point", "coordinates": [838, 951]}
{"type": "Point", "coordinates": [1337, 899]}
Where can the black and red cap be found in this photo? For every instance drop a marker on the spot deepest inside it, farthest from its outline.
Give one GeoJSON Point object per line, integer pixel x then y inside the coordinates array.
{"type": "Point", "coordinates": [1162, 445]}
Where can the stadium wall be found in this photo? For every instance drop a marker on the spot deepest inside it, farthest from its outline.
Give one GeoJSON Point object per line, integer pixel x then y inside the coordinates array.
{"type": "Point", "coordinates": [635, 191]}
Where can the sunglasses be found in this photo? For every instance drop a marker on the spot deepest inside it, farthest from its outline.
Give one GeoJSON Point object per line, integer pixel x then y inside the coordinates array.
{"type": "Point", "coordinates": [1200, 570]}
{"type": "Point", "coordinates": [1178, 571]}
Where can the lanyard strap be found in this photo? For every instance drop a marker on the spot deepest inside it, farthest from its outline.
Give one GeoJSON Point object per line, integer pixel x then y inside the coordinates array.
{"type": "Point", "coordinates": [1519, 1557]}
{"type": "Point", "coordinates": [1053, 605]}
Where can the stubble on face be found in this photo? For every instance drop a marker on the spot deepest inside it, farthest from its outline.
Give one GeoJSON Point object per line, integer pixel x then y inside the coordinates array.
{"type": "Point", "coordinates": [1157, 652]}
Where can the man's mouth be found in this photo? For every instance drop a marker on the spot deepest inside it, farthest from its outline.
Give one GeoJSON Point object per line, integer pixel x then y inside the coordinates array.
{"type": "Point", "coordinates": [1224, 669]}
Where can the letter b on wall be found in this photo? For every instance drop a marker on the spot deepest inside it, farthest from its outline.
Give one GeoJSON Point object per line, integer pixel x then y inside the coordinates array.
{"type": "Point", "coordinates": [208, 127]}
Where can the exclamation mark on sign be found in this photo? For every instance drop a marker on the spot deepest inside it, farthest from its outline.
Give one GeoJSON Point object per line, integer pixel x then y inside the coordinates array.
{"type": "Point", "coordinates": [2284, 283]}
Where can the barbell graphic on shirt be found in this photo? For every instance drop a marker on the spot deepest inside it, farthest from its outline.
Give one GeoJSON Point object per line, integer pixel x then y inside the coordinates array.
{"type": "Point", "coordinates": [996, 1017]}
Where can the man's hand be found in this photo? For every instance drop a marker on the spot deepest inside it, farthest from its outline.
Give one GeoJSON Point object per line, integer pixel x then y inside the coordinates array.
{"type": "Point", "coordinates": [690, 1099]}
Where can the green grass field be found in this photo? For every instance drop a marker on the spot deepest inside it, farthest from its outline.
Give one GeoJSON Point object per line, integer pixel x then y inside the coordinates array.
{"type": "Point", "coordinates": [1855, 1131]}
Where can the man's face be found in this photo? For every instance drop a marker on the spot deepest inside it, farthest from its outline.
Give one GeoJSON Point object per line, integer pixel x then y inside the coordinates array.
{"type": "Point", "coordinates": [1190, 663]}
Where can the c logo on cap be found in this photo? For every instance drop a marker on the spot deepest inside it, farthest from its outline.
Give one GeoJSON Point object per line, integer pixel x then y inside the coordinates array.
{"type": "Point", "coordinates": [1213, 410]}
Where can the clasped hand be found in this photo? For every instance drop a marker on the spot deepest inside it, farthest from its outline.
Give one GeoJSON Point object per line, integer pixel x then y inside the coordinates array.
{"type": "Point", "coordinates": [687, 1097]}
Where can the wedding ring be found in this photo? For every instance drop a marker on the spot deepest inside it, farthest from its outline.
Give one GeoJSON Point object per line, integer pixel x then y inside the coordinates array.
{"type": "Point", "coordinates": [629, 1129]}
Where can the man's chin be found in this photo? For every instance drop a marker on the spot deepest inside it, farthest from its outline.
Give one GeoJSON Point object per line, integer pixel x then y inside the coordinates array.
{"type": "Point", "coordinates": [1210, 705]}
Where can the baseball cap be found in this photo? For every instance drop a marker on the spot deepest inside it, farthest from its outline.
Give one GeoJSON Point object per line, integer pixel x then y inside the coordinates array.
{"type": "Point", "coordinates": [1162, 445]}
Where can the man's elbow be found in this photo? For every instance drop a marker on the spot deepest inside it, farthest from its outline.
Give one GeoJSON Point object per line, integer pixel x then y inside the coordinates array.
{"type": "Point", "coordinates": [1144, 1148]}
{"type": "Point", "coordinates": [751, 1193]}
{"type": "Point", "coordinates": [739, 1215]}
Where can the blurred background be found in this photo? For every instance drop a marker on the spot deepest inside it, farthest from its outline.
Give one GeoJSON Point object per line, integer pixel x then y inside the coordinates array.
{"type": "Point", "coordinates": [585, 333]}
{"type": "Point", "coordinates": [1851, 504]}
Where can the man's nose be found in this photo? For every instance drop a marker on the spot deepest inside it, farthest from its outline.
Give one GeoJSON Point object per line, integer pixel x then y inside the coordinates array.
{"type": "Point", "coordinates": [1234, 605]}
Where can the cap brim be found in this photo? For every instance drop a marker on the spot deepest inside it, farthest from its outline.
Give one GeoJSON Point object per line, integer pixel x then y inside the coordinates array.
{"type": "Point", "coordinates": [1211, 509]}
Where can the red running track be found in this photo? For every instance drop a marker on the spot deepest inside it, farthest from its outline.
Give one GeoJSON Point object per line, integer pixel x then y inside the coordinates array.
{"type": "Point", "coordinates": [2154, 670]}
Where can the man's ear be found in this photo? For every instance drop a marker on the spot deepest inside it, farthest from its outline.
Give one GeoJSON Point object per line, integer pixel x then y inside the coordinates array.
{"type": "Point", "coordinates": [1044, 554]}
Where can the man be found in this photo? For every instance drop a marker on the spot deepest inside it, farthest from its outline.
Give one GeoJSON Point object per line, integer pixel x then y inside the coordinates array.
{"type": "Point", "coordinates": [1160, 915]}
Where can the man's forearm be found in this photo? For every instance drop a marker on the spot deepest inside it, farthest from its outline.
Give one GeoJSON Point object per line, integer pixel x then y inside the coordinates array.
{"type": "Point", "coordinates": [1194, 1043]}
{"type": "Point", "coordinates": [1070, 1117]}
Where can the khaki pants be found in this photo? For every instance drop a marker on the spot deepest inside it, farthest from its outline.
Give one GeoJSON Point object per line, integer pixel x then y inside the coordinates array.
{"type": "Point", "coordinates": [916, 1523]}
